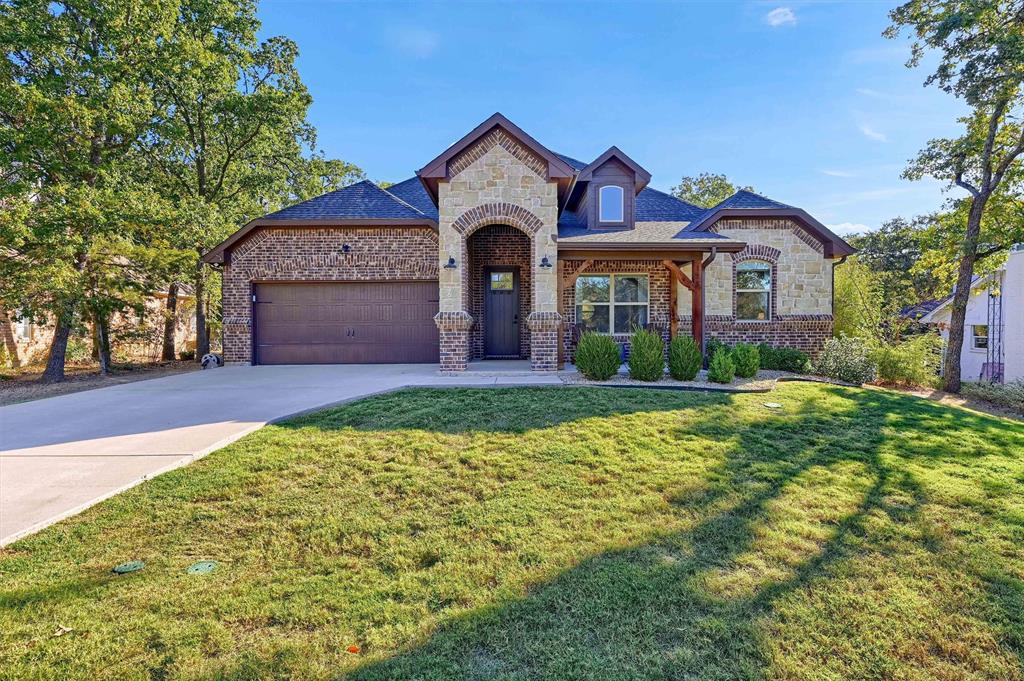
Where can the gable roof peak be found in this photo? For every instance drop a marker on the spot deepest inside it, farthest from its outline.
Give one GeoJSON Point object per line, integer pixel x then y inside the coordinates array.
{"type": "Point", "coordinates": [437, 170]}
{"type": "Point", "coordinates": [642, 176]}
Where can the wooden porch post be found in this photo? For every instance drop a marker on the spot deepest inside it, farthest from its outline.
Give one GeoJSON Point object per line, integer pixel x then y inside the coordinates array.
{"type": "Point", "coordinates": [697, 302]}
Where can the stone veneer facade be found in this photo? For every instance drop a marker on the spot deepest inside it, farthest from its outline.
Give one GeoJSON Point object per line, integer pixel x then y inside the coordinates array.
{"type": "Point", "coordinates": [315, 254]}
{"type": "Point", "coordinates": [801, 295]}
{"type": "Point", "coordinates": [496, 181]}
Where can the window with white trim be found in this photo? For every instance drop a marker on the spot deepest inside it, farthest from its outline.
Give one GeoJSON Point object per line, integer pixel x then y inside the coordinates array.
{"type": "Point", "coordinates": [979, 334]}
{"type": "Point", "coordinates": [23, 329]}
{"type": "Point", "coordinates": [612, 303]}
{"type": "Point", "coordinates": [611, 204]}
{"type": "Point", "coordinates": [753, 291]}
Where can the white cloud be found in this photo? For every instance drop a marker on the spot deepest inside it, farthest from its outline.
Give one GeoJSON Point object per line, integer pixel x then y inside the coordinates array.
{"type": "Point", "coordinates": [872, 134]}
{"type": "Point", "coordinates": [847, 228]}
{"type": "Point", "coordinates": [838, 173]}
{"type": "Point", "coordinates": [415, 42]}
{"type": "Point", "coordinates": [868, 92]}
{"type": "Point", "coordinates": [780, 16]}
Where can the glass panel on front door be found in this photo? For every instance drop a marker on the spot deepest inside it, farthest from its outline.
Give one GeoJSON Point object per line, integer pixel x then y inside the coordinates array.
{"type": "Point", "coordinates": [502, 281]}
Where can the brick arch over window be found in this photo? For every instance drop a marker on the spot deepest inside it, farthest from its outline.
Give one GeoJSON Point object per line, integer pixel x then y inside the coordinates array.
{"type": "Point", "coordinates": [759, 253]}
{"type": "Point", "coordinates": [497, 213]}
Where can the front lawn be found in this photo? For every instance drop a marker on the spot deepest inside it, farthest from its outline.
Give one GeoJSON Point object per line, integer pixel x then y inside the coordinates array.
{"type": "Point", "coordinates": [552, 533]}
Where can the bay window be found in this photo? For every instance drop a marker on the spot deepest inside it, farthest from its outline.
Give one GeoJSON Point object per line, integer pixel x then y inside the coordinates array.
{"type": "Point", "coordinates": [612, 303]}
{"type": "Point", "coordinates": [753, 291]}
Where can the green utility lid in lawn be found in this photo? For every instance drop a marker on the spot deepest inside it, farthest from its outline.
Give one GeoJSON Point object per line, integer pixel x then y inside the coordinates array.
{"type": "Point", "coordinates": [130, 566]}
{"type": "Point", "coordinates": [773, 405]}
{"type": "Point", "coordinates": [203, 567]}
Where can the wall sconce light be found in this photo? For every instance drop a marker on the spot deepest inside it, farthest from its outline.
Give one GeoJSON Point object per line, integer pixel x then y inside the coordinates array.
{"type": "Point", "coordinates": [346, 248]}
{"type": "Point", "coordinates": [545, 263]}
{"type": "Point", "coordinates": [450, 265]}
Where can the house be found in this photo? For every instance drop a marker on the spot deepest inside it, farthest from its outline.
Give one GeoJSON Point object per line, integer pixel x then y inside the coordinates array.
{"type": "Point", "coordinates": [501, 248]}
{"type": "Point", "coordinates": [993, 325]}
{"type": "Point", "coordinates": [137, 337]}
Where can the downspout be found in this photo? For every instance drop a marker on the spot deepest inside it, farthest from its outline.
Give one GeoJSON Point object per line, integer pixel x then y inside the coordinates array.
{"type": "Point", "coordinates": [834, 266]}
{"type": "Point", "coordinates": [703, 313]}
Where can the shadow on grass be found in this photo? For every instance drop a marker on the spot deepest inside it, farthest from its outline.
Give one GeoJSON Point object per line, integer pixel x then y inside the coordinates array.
{"type": "Point", "coordinates": [654, 611]}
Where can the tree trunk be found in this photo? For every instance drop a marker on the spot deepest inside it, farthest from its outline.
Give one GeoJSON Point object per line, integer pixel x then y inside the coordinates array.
{"type": "Point", "coordinates": [202, 337]}
{"type": "Point", "coordinates": [170, 323]}
{"type": "Point", "coordinates": [102, 326]}
{"type": "Point", "coordinates": [962, 294]}
{"type": "Point", "coordinates": [54, 372]}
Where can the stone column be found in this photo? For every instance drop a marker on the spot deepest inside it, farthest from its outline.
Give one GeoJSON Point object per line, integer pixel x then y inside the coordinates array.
{"type": "Point", "coordinates": [454, 330]}
{"type": "Point", "coordinates": [545, 329]}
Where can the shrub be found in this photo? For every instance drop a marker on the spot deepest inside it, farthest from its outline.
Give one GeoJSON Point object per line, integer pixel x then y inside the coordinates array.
{"type": "Point", "coordinates": [783, 359]}
{"type": "Point", "coordinates": [711, 346]}
{"type": "Point", "coordinates": [187, 354]}
{"type": "Point", "coordinates": [1010, 395]}
{"type": "Point", "coordinates": [79, 351]}
{"type": "Point", "coordinates": [747, 359]}
{"type": "Point", "coordinates": [684, 358]}
{"type": "Point", "coordinates": [914, 362]}
{"type": "Point", "coordinates": [721, 369]}
{"type": "Point", "coordinates": [845, 359]}
{"type": "Point", "coordinates": [597, 356]}
{"type": "Point", "coordinates": [646, 356]}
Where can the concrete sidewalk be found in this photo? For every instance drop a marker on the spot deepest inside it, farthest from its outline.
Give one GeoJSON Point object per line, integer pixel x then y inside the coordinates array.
{"type": "Point", "coordinates": [60, 455]}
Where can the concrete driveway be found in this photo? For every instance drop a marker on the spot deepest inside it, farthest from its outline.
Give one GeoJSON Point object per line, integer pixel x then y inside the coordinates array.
{"type": "Point", "coordinates": [60, 455]}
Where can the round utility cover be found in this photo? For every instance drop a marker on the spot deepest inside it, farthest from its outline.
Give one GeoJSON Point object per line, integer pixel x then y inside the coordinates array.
{"type": "Point", "coordinates": [203, 567]}
{"type": "Point", "coordinates": [773, 405]}
{"type": "Point", "coordinates": [131, 566]}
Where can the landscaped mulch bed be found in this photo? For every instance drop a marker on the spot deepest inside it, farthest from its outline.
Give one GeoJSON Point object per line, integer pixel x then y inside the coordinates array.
{"type": "Point", "coordinates": [763, 382]}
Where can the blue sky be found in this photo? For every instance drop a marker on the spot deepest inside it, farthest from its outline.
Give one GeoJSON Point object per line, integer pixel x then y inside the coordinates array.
{"type": "Point", "coordinates": [807, 102]}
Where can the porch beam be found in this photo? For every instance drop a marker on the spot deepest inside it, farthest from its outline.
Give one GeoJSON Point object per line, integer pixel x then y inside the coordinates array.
{"type": "Point", "coordinates": [679, 274]}
{"type": "Point", "coordinates": [697, 303]}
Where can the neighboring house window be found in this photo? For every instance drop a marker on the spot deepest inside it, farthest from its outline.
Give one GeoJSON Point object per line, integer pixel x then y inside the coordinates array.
{"type": "Point", "coordinates": [753, 291]}
{"type": "Point", "coordinates": [611, 303]}
{"type": "Point", "coordinates": [980, 333]}
{"type": "Point", "coordinates": [611, 206]}
{"type": "Point", "coordinates": [23, 329]}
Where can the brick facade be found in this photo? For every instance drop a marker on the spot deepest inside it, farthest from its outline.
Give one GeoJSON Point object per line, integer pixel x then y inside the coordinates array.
{"type": "Point", "coordinates": [497, 245]}
{"type": "Point", "coordinates": [659, 294]}
{"type": "Point", "coordinates": [317, 254]}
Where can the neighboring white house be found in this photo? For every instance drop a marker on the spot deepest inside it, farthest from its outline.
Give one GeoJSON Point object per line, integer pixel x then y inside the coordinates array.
{"type": "Point", "coordinates": [994, 327]}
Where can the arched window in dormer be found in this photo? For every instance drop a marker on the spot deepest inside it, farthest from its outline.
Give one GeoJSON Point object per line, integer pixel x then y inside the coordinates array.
{"type": "Point", "coordinates": [611, 204]}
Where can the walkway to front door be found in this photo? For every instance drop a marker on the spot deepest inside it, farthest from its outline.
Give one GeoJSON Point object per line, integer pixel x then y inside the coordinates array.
{"type": "Point", "coordinates": [501, 312]}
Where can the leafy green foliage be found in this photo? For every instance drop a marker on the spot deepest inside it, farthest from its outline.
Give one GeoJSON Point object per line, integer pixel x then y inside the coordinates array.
{"type": "Point", "coordinates": [721, 369]}
{"type": "Point", "coordinates": [713, 345]}
{"type": "Point", "coordinates": [845, 359]}
{"type": "Point", "coordinates": [747, 359]}
{"type": "Point", "coordinates": [980, 60]}
{"type": "Point", "coordinates": [684, 358]}
{"type": "Point", "coordinates": [706, 190]}
{"type": "Point", "coordinates": [597, 356]}
{"type": "Point", "coordinates": [783, 359]}
{"type": "Point", "coordinates": [1009, 395]}
{"type": "Point", "coordinates": [646, 356]}
{"type": "Point", "coordinates": [913, 362]}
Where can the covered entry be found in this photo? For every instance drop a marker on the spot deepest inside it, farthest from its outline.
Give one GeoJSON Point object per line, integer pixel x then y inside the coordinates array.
{"type": "Point", "coordinates": [345, 322]}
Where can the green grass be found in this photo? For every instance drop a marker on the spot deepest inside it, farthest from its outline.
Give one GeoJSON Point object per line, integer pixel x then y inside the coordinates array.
{"type": "Point", "coordinates": [552, 533]}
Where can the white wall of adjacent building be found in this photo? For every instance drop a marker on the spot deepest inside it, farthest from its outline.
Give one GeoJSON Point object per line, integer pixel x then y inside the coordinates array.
{"type": "Point", "coordinates": [979, 332]}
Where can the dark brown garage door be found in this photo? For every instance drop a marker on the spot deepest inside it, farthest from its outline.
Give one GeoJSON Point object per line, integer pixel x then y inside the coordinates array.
{"type": "Point", "coordinates": [346, 323]}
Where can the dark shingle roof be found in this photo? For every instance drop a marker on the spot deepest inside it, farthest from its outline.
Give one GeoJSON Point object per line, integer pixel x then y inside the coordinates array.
{"type": "Point", "coordinates": [745, 199]}
{"type": "Point", "coordinates": [655, 206]}
{"type": "Point", "coordinates": [415, 194]}
{"type": "Point", "coordinates": [361, 200]}
{"type": "Point", "coordinates": [576, 164]}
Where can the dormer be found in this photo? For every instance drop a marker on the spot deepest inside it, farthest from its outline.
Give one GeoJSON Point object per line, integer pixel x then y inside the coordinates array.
{"type": "Point", "coordinates": [604, 196]}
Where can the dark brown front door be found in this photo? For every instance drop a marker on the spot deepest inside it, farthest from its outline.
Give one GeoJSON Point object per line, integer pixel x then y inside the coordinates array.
{"type": "Point", "coordinates": [346, 323]}
{"type": "Point", "coordinates": [501, 312]}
